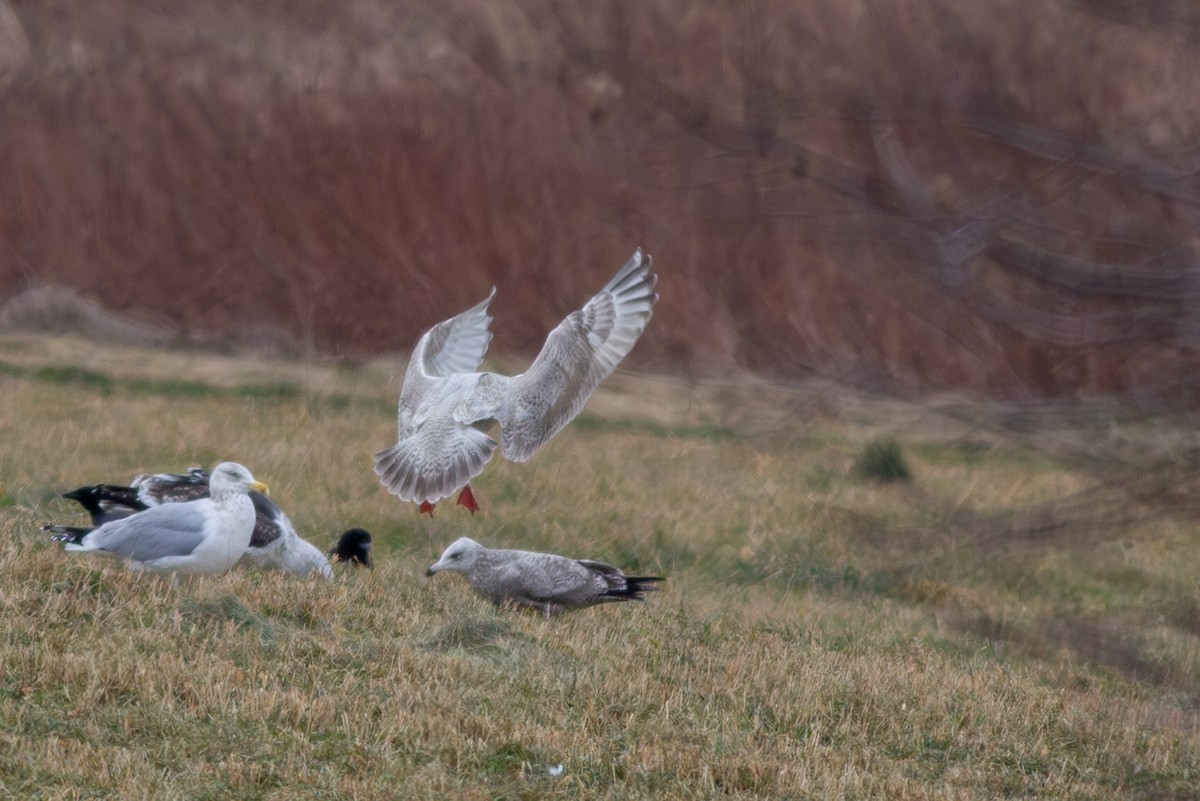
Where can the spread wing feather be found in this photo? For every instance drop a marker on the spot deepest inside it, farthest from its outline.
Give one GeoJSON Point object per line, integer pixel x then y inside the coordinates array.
{"type": "Point", "coordinates": [450, 348]}
{"type": "Point", "coordinates": [446, 408]}
{"type": "Point", "coordinates": [580, 353]}
{"type": "Point", "coordinates": [416, 471]}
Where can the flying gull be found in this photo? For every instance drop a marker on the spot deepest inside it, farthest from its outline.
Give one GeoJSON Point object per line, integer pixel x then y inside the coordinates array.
{"type": "Point", "coordinates": [447, 408]}
{"type": "Point", "coordinates": [274, 543]}
{"type": "Point", "coordinates": [544, 582]}
{"type": "Point", "coordinates": [203, 536]}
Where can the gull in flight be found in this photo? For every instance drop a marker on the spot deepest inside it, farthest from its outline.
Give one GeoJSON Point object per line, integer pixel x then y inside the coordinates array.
{"type": "Point", "coordinates": [447, 408]}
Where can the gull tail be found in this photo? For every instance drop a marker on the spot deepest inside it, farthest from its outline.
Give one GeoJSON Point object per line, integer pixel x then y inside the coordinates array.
{"type": "Point", "coordinates": [409, 471]}
{"type": "Point", "coordinates": [634, 587]}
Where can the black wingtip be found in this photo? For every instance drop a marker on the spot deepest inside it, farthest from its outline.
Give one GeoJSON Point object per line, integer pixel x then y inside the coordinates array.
{"type": "Point", "coordinates": [105, 502]}
{"type": "Point", "coordinates": [354, 546]}
{"type": "Point", "coordinates": [70, 534]}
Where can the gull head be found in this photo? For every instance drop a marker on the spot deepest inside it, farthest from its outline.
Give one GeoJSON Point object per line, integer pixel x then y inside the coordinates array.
{"type": "Point", "coordinates": [459, 556]}
{"type": "Point", "coordinates": [233, 477]}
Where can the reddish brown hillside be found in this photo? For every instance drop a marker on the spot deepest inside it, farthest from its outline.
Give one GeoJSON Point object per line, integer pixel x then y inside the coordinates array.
{"type": "Point", "coordinates": [999, 197]}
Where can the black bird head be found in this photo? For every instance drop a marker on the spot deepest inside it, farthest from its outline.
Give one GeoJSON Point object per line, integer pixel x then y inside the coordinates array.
{"type": "Point", "coordinates": [354, 546]}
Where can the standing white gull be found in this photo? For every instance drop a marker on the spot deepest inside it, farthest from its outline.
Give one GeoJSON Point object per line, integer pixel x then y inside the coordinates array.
{"type": "Point", "coordinates": [273, 544]}
{"type": "Point", "coordinates": [544, 582]}
{"type": "Point", "coordinates": [204, 536]}
{"type": "Point", "coordinates": [447, 408]}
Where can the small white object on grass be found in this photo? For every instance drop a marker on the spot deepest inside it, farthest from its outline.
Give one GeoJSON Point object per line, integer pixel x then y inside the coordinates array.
{"type": "Point", "coordinates": [446, 407]}
{"type": "Point", "coordinates": [544, 582]}
{"type": "Point", "coordinates": [204, 536]}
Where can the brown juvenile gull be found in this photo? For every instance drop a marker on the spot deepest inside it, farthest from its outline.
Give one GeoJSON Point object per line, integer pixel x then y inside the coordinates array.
{"type": "Point", "coordinates": [447, 408]}
{"type": "Point", "coordinates": [203, 536]}
{"type": "Point", "coordinates": [274, 543]}
{"type": "Point", "coordinates": [544, 582]}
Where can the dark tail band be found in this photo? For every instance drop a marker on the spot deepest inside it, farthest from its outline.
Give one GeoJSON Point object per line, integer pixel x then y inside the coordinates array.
{"type": "Point", "coordinates": [635, 586]}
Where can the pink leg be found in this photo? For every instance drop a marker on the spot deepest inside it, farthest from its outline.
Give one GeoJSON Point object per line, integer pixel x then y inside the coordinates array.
{"type": "Point", "coordinates": [467, 498]}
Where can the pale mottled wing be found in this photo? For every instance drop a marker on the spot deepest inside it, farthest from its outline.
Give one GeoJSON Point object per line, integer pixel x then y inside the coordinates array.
{"type": "Point", "coordinates": [168, 530]}
{"type": "Point", "coordinates": [605, 570]}
{"type": "Point", "coordinates": [580, 353]}
{"type": "Point", "coordinates": [436, 451]}
{"type": "Point", "coordinates": [540, 576]}
{"type": "Point", "coordinates": [451, 347]}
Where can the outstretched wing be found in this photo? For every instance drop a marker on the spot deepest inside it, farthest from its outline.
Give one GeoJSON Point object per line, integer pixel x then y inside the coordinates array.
{"type": "Point", "coordinates": [580, 353]}
{"type": "Point", "coordinates": [452, 346]}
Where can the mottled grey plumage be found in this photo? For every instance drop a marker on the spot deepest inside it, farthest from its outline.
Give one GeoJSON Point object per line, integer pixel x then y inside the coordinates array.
{"type": "Point", "coordinates": [545, 582]}
{"type": "Point", "coordinates": [155, 489]}
{"type": "Point", "coordinates": [446, 408]}
{"type": "Point", "coordinates": [207, 535]}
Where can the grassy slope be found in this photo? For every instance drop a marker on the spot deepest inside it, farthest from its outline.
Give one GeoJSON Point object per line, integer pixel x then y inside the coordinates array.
{"type": "Point", "coordinates": [1019, 620]}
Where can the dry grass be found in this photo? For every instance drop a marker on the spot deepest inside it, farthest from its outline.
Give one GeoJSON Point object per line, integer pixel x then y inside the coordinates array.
{"type": "Point", "coordinates": [1021, 619]}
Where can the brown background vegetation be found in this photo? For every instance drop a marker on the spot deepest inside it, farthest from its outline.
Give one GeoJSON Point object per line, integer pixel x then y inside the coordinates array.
{"type": "Point", "coordinates": [995, 197]}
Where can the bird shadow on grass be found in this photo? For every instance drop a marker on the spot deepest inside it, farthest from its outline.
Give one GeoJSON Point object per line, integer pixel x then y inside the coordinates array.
{"type": "Point", "coordinates": [477, 636]}
{"type": "Point", "coordinates": [227, 608]}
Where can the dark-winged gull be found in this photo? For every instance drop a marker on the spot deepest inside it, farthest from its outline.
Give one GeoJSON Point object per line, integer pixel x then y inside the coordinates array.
{"type": "Point", "coordinates": [353, 547]}
{"type": "Point", "coordinates": [204, 536]}
{"type": "Point", "coordinates": [273, 544]}
{"type": "Point", "coordinates": [107, 502]}
{"type": "Point", "coordinates": [545, 582]}
{"type": "Point", "coordinates": [447, 408]}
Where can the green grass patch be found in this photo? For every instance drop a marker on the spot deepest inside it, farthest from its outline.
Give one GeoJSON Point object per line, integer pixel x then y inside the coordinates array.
{"type": "Point", "coordinates": [882, 460]}
{"type": "Point", "coordinates": [592, 424]}
{"type": "Point", "coordinates": [76, 376]}
{"type": "Point", "coordinates": [171, 387]}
